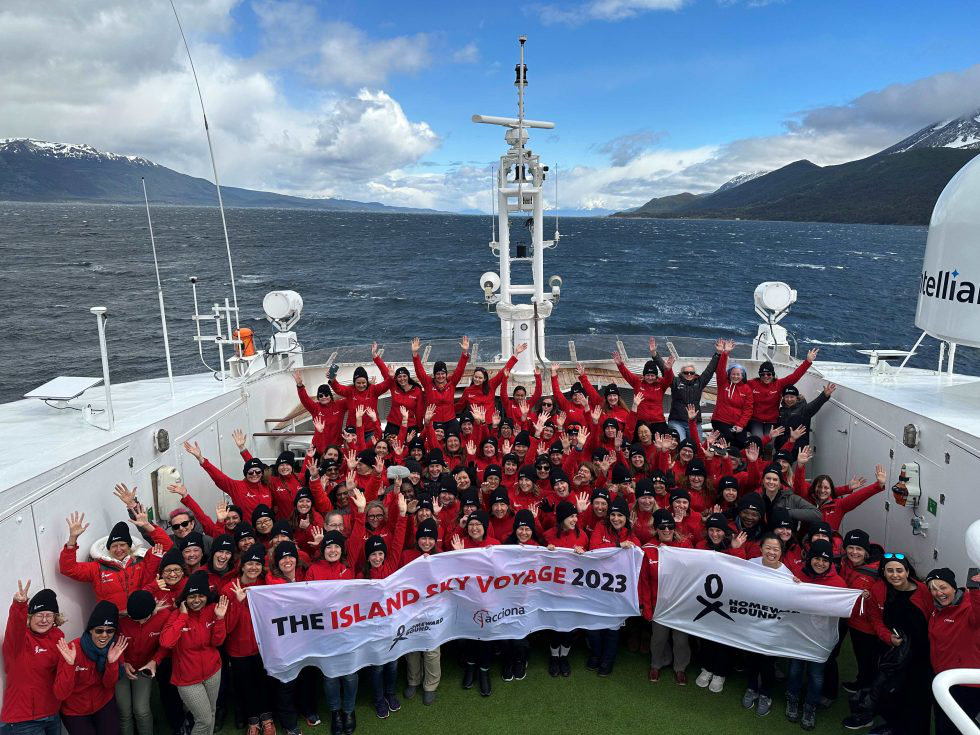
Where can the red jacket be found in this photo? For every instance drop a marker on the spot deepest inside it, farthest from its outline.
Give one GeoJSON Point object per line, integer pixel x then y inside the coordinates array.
{"type": "Point", "coordinates": [834, 508]}
{"type": "Point", "coordinates": [731, 551]}
{"type": "Point", "coordinates": [246, 495]}
{"type": "Point", "coordinates": [574, 414]}
{"type": "Point", "coordinates": [332, 414]}
{"type": "Point", "coordinates": [442, 398]}
{"type": "Point", "coordinates": [650, 574]}
{"type": "Point", "coordinates": [474, 396]}
{"type": "Point", "coordinates": [367, 398]}
{"type": "Point", "coordinates": [413, 399]}
{"type": "Point", "coordinates": [90, 690]}
{"type": "Point", "coordinates": [567, 540]}
{"type": "Point", "coordinates": [510, 405]}
{"type": "Point", "coordinates": [35, 682]}
{"type": "Point", "coordinates": [193, 639]}
{"type": "Point", "coordinates": [954, 634]}
{"type": "Point", "coordinates": [734, 403]}
{"type": "Point", "coordinates": [239, 634]}
{"type": "Point", "coordinates": [860, 578]}
{"type": "Point", "coordinates": [144, 639]}
{"type": "Point", "coordinates": [651, 409]}
{"type": "Point", "coordinates": [766, 398]}
{"type": "Point", "coordinates": [875, 607]}
{"type": "Point", "coordinates": [323, 570]}
{"type": "Point", "coordinates": [604, 538]}
{"type": "Point", "coordinates": [114, 581]}
{"type": "Point", "coordinates": [211, 528]}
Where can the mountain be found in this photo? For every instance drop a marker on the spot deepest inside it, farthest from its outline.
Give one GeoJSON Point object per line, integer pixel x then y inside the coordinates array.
{"type": "Point", "coordinates": [739, 180]}
{"type": "Point", "coordinates": [39, 171]}
{"type": "Point", "coordinates": [898, 185]}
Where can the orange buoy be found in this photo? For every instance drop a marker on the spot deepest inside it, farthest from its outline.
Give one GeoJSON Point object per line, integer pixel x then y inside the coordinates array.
{"type": "Point", "coordinates": [247, 347]}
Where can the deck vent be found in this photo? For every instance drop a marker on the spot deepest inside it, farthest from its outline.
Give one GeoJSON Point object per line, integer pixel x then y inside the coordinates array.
{"type": "Point", "coordinates": [911, 436]}
{"type": "Point", "coordinates": [161, 440]}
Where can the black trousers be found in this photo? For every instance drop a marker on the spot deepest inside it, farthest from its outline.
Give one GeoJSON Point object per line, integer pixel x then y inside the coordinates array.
{"type": "Point", "coordinates": [479, 653]}
{"type": "Point", "coordinates": [761, 673]}
{"type": "Point", "coordinates": [252, 686]}
{"type": "Point", "coordinates": [715, 657]}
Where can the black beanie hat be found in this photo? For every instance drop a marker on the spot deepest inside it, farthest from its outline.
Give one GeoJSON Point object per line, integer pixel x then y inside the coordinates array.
{"type": "Point", "coordinates": [563, 510]}
{"type": "Point", "coordinates": [448, 484]}
{"type": "Point", "coordinates": [281, 528]}
{"type": "Point", "coordinates": [542, 461]}
{"type": "Point", "coordinates": [679, 493]}
{"type": "Point", "coordinates": [367, 456]}
{"type": "Point", "coordinates": [480, 517]}
{"type": "Point", "coordinates": [663, 518]}
{"type": "Point", "coordinates": [439, 367]}
{"type": "Point", "coordinates": [261, 511]}
{"type": "Point", "coordinates": [791, 390]}
{"type": "Point", "coordinates": [727, 482]}
{"type": "Point", "coordinates": [416, 443]}
{"type": "Point", "coordinates": [413, 466]}
{"type": "Point", "coordinates": [821, 549]}
{"type": "Point", "coordinates": [650, 367]}
{"type": "Point", "coordinates": [304, 493]}
{"type": "Point", "coordinates": [194, 538]}
{"type": "Point", "coordinates": [253, 463]}
{"type": "Point", "coordinates": [334, 538]}
{"type": "Point", "coordinates": [556, 448]}
{"type": "Point", "coordinates": [943, 573]}
{"type": "Point", "coordinates": [696, 467]}
{"type": "Point", "coordinates": [375, 543]}
{"type": "Point", "coordinates": [752, 501]}
{"type": "Point", "coordinates": [611, 389]}
{"type": "Point", "coordinates": [470, 496]}
{"type": "Point", "coordinates": [359, 372]}
{"type": "Point", "coordinates": [286, 457]}
{"type": "Point", "coordinates": [557, 474]}
{"type": "Point", "coordinates": [687, 444]}
{"type": "Point", "coordinates": [435, 457]}
{"type": "Point", "coordinates": [577, 387]}
{"type": "Point", "coordinates": [858, 537]}
{"type": "Point", "coordinates": [255, 552]}
{"type": "Point", "coordinates": [105, 613]}
{"type": "Point", "coordinates": [499, 496]}
{"type": "Point", "coordinates": [636, 450]}
{"type": "Point", "coordinates": [223, 542]}
{"type": "Point", "coordinates": [172, 557]}
{"type": "Point", "coordinates": [527, 472]}
{"type": "Point", "coordinates": [510, 457]}
{"type": "Point", "coordinates": [324, 390]}
{"type": "Point", "coordinates": [767, 367]}
{"type": "Point", "coordinates": [780, 518]}
{"type": "Point", "coordinates": [782, 456]}
{"type": "Point", "coordinates": [773, 469]}
{"type": "Point", "coordinates": [524, 517]}
{"type": "Point", "coordinates": [523, 438]}
{"type": "Point", "coordinates": [232, 508]}
{"type": "Point", "coordinates": [425, 503]}
{"type": "Point", "coordinates": [658, 476]}
{"type": "Point", "coordinates": [197, 584]}
{"type": "Point", "coordinates": [43, 601]}
{"type": "Point", "coordinates": [620, 474]}
{"type": "Point", "coordinates": [600, 493]}
{"type": "Point", "coordinates": [493, 470]}
{"type": "Point", "coordinates": [244, 530]}
{"type": "Point", "coordinates": [644, 488]}
{"type": "Point", "coordinates": [619, 505]}
{"type": "Point", "coordinates": [427, 529]}
{"type": "Point", "coordinates": [140, 604]}
{"type": "Point", "coordinates": [821, 527]}
{"type": "Point", "coordinates": [716, 520]}
{"type": "Point", "coordinates": [119, 532]}
{"type": "Point", "coordinates": [284, 549]}
{"type": "Point", "coordinates": [451, 428]}
{"type": "Point", "coordinates": [610, 422]}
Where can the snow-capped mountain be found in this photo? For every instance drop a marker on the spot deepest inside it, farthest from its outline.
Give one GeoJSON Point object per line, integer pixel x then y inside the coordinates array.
{"type": "Point", "coordinates": [739, 180]}
{"type": "Point", "coordinates": [961, 132]}
{"type": "Point", "coordinates": [64, 150]}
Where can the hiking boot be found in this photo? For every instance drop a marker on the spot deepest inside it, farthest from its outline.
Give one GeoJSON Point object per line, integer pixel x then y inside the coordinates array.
{"type": "Point", "coordinates": [605, 671]}
{"type": "Point", "coordinates": [469, 675]}
{"type": "Point", "coordinates": [653, 674]}
{"type": "Point", "coordinates": [764, 706]}
{"type": "Point", "coordinates": [267, 725]}
{"type": "Point", "coordinates": [564, 666]}
{"type": "Point", "coordinates": [792, 708]}
{"type": "Point", "coordinates": [859, 721]}
{"type": "Point", "coordinates": [381, 709]}
{"type": "Point", "coordinates": [350, 722]}
{"type": "Point", "coordinates": [336, 722]}
{"type": "Point", "coordinates": [809, 719]}
{"type": "Point", "coordinates": [253, 727]}
{"type": "Point", "coordinates": [704, 678]}
{"type": "Point", "coordinates": [485, 688]}
{"type": "Point", "coordinates": [428, 697]}
{"type": "Point", "coordinates": [717, 684]}
{"type": "Point", "coordinates": [553, 666]}
{"type": "Point", "coordinates": [410, 690]}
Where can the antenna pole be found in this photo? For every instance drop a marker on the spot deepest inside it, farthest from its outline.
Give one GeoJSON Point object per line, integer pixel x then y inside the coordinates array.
{"type": "Point", "coordinates": [556, 204]}
{"type": "Point", "coordinates": [163, 313]}
{"type": "Point", "coordinates": [214, 166]}
{"type": "Point", "coordinates": [493, 208]}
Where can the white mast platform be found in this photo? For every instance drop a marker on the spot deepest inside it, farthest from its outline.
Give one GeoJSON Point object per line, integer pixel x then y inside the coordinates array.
{"type": "Point", "coordinates": [520, 188]}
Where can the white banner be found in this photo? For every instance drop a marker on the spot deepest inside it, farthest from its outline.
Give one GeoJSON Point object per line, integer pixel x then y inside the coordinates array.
{"type": "Point", "coordinates": [498, 592]}
{"type": "Point", "coordinates": [745, 605]}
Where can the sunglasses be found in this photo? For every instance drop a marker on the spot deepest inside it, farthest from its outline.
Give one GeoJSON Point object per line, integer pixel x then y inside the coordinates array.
{"type": "Point", "coordinates": [890, 555]}
{"type": "Point", "coordinates": [183, 524]}
{"type": "Point", "coordinates": [375, 517]}
{"type": "Point", "coordinates": [254, 472]}
{"type": "Point", "coordinates": [103, 631]}
{"type": "Point", "coordinates": [688, 372]}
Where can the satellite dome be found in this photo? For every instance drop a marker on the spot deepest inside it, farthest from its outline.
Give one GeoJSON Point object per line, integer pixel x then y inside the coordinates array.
{"type": "Point", "coordinates": [949, 286]}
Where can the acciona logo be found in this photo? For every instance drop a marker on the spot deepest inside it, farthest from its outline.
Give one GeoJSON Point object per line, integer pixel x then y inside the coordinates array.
{"type": "Point", "coordinates": [948, 286]}
{"type": "Point", "coordinates": [484, 618]}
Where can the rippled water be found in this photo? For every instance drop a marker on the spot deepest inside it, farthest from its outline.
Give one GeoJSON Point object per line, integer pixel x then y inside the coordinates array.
{"type": "Point", "coordinates": [388, 277]}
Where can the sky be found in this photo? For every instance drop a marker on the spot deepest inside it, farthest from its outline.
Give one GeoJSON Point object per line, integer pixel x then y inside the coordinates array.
{"type": "Point", "coordinates": [372, 100]}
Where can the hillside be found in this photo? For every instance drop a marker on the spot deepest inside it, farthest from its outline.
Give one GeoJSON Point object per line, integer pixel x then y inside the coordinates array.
{"type": "Point", "coordinates": [39, 171]}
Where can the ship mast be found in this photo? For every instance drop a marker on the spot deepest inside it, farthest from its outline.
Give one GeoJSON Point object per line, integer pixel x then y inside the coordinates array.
{"type": "Point", "coordinates": [520, 189]}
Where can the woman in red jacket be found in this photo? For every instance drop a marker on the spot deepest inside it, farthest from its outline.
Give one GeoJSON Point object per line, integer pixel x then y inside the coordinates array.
{"type": "Point", "coordinates": [252, 684]}
{"type": "Point", "coordinates": [405, 393]}
{"type": "Point", "coordinates": [860, 572]}
{"type": "Point", "coordinates": [733, 406]}
{"type": "Point", "coordinates": [954, 638]}
{"type": "Point", "coordinates": [482, 389]}
{"type": "Point", "coordinates": [565, 534]}
{"type": "Point", "coordinates": [327, 410]}
{"type": "Point", "coordinates": [192, 634]}
{"type": "Point", "coordinates": [141, 628]}
{"type": "Point", "coordinates": [667, 646]}
{"type": "Point", "coordinates": [93, 658]}
{"type": "Point", "coordinates": [652, 388]}
{"type": "Point", "coordinates": [124, 572]}
{"type": "Point", "coordinates": [440, 389]}
{"type": "Point", "coordinates": [835, 502]}
{"type": "Point", "coordinates": [362, 392]}
{"type": "Point", "coordinates": [767, 392]}
{"type": "Point", "coordinates": [35, 683]}
{"type": "Point", "coordinates": [247, 494]}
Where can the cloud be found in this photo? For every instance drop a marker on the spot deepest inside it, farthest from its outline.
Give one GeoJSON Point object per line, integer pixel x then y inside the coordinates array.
{"type": "Point", "coordinates": [604, 10]}
{"type": "Point", "coordinates": [469, 54]}
{"type": "Point", "coordinates": [624, 148]}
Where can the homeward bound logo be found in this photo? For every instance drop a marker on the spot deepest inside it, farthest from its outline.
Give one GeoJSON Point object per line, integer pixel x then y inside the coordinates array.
{"type": "Point", "coordinates": [484, 618]}
{"type": "Point", "coordinates": [423, 626]}
{"type": "Point", "coordinates": [711, 603]}
{"type": "Point", "coordinates": [948, 285]}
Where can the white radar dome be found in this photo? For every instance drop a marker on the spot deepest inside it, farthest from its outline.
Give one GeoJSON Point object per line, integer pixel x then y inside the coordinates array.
{"type": "Point", "coordinates": [949, 284]}
{"type": "Point", "coordinates": [774, 296]}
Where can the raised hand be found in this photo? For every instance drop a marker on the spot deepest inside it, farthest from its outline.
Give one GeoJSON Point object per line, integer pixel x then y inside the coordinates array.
{"type": "Point", "coordinates": [319, 425]}
{"type": "Point", "coordinates": [402, 505]}
{"type": "Point", "coordinates": [316, 533]}
{"type": "Point", "coordinates": [479, 414]}
{"type": "Point", "coordinates": [117, 648]}
{"type": "Point", "coordinates": [523, 408]}
{"type": "Point", "coordinates": [359, 414]}
{"type": "Point", "coordinates": [416, 344]}
{"type": "Point", "coordinates": [357, 497]}
{"type": "Point", "coordinates": [812, 354]}
{"type": "Point", "coordinates": [692, 412]}
{"type": "Point", "coordinates": [372, 414]}
{"type": "Point", "coordinates": [221, 608]}
{"type": "Point", "coordinates": [740, 539]}
{"type": "Point", "coordinates": [76, 527]}
{"type": "Point", "coordinates": [729, 345]}
{"type": "Point", "coordinates": [238, 590]}
{"type": "Point", "coordinates": [142, 518]}
{"type": "Point", "coordinates": [404, 412]}
{"type": "Point", "coordinates": [436, 506]}
{"type": "Point", "coordinates": [379, 466]}
{"type": "Point", "coordinates": [554, 369]}
{"type": "Point", "coordinates": [582, 502]}
{"type": "Point", "coordinates": [194, 450]}
{"type": "Point", "coordinates": [495, 419]}
{"type": "Point", "coordinates": [396, 445]}
{"type": "Point", "coordinates": [178, 489]}
{"type": "Point", "coordinates": [881, 475]}
{"type": "Point", "coordinates": [520, 348]}
{"type": "Point", "coordinates": [351, 458]}
{"type": "Point", "coordinates": [752, 452]}
{"type": "Point", "coordinates": [653, 346]}
{"type": "Point", "coordinates": [805, 455]}
{"type": "Point", "coordinates": [23, 590]}
{"type": "Point", "coordinates": [239, 437]}
{"type": "Point", "coordinates": [157, 550]}
{"type": "Point", "coordinates": [67, 651]}
{"type": "Point", "coordinates": [776, 432]}
{"type": "Point", "coordinates": [298, 377]}
{"type": "Point", "coordinates": [796, 434]}
{"type": "Point", "coordinates": [617, 358]}
{"type": "Point", "coordinates": [583, 437]}
{"type": "Point", "coordinates": [828, 390]}
{"type": "Point", "coordinates": [579, 369]}
{"type": "Point", "coordinates": [127, 496]}
{"type": "Point", "coordinates": [471, 447]}
{"type": "Point", "coordinates": [351, 481]}
{"type": "Point", "coordinates": [374, 350]}
{"type": "Point", "coordinates": [464, 343]}
{"type": "Point", "coordinates": [719, 345]}
{"type": "Point", "coordinates": [505, 446]}
{"type": "Point", "coordinates": [619, 439]}
{"type": "Point", "coordinates": [669, 362]}
{"type": "Point", "coordinates": [857, 481]}
{"type": "Point", "coordinates": [457, 543]}
{"type": "Point", "coordinates": [430, 411]}
{"type": "Point", "coordinates": [596, 412]}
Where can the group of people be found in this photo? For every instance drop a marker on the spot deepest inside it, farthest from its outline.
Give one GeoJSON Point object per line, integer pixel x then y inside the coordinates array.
{"type": "Point", "coordinates": [442, 472]}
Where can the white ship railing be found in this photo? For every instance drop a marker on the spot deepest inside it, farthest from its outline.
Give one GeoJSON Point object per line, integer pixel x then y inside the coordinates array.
{"type": "Point", "coordinates": [941, 685]}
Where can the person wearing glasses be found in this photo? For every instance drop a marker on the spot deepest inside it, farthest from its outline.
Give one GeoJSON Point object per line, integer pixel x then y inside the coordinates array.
{"type": "Point", "coordinates": [686, 389]}
{"type": "Point", "coordinates": [767, 391]}
{"type": "Point", "coordinates": [34, 684]}
{"type": "Point", "coordinates": [899, 611]}
{"type": "Point", "coordinates": [247, 494]}
{"type": "Point", "coordinates": [650, 385]}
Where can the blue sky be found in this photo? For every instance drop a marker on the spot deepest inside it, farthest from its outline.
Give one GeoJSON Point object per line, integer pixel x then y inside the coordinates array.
{"type": "Point", "coordinates": [650, 96]}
